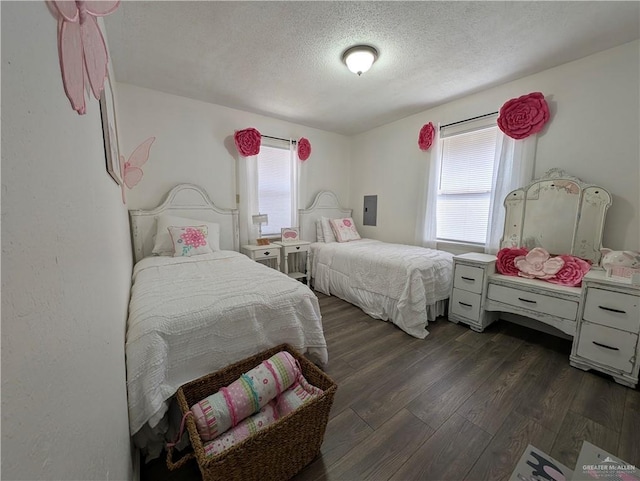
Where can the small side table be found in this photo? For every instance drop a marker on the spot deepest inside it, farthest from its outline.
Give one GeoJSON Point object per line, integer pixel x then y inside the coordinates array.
{"type": "Point", "coordinates": [296, 248]}
{"type": "Point", "coordinates": [263, 253]}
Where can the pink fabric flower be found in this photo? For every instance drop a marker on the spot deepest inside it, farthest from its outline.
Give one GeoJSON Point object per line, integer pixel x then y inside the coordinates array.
{"type": "Point", "coordinates": [537, 264]}
{"type": "Point", "coordinates": [572, 272]}
{"type": "Point", "coordinates": [304, 149]}
{"type": "Point", "coordinates": [248, 141]}
{"type": "Point", "coordinates": [506, 256]}
{"type": "Point", "coordinates": [425, 138]}
{"type": "Point", "coordinates": [526, 115]}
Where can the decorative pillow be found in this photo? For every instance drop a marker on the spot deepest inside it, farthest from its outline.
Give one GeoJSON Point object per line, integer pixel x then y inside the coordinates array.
{"type": "Point", "coordinates": [189, 241]}
{"type": "Point", "coordinates": [344, 229]}
{"type": "Point", "coordinates": [163, 246]}
{"type": "Point", "coordinates": [327, 231]}
{"type": "Point", "coordinates": [319, 233]}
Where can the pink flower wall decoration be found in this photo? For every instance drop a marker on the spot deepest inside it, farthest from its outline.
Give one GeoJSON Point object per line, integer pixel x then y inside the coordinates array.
{"type": "Point", "coordinates": [248, 141]}
{"type": "Point", "coordinates": [425, 138]}
{"type": "Point", "coordinates": [81, 48]}
{"type": "Point", "coordinates": [523, 116]}
{"type": "Point", "coordinates": [304, 149]}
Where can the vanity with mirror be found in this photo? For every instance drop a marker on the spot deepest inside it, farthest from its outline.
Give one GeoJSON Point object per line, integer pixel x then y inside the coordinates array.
{"type": "Point", "coordinates": [562, 215]}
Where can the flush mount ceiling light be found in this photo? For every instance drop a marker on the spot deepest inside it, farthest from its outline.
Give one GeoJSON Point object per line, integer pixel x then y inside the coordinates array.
{"type": "Point", "coordinates": [359, 58]}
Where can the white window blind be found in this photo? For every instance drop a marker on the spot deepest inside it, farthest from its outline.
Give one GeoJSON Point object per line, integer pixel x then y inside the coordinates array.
{"type": "Point", "coordinates": [274, 188]}
{"type": "Point", "coordinates": [464, 191]}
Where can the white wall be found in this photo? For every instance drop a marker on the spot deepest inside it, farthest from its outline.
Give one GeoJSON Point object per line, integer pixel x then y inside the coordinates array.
{"type": "Point", "coordinates": [66, 266]}
{"type": "Point", "coordinates": [592, 134]}
{"type": "Point", "coordinates": [194, 143]}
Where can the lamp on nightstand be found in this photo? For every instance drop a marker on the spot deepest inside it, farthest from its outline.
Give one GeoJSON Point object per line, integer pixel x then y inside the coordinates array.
{"type": "Point", "coordinates": [258, 220]}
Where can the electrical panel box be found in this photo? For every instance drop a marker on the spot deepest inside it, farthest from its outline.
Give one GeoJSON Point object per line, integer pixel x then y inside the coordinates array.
{"type": "Point", "coordinates": [370, 209]}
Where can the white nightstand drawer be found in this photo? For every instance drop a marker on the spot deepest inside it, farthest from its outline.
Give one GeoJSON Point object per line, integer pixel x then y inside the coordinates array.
{"type": "Point", "coordinates": [613, 309]}
{"type": "Point", "coordinates": [267, 253]}
{"type": "Point", "coordinates": [535, 302]}
{"type": "Point", "coordinates": [465, 304]}
{"type": "Point", "coordinates": [611, 347]}
{"type": "Point", "coordinates": [468, 278]}
{"type": "Point", "coordinates": [293, 249]}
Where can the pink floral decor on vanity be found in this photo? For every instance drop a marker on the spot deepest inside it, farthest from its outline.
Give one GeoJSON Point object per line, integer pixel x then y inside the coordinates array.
{"type": "Point", "coordinates": [538, 264]}
{"type": "Point", "coordinates": [505, 261]}
{"type": "Point", "coordinates": [304, 149]}
{"type": "Point", "coordinates": [523, 116]}
{"type": "Point", "coordinates": [565, 270]}
{"type": "Point", "coordinates": [426, 135]}
{"type": "Point", "coordinates": [81, 48]}
{"type": "Point", "coordinates": [248, 141]}
{"type": "Point", "coordinates": [572, 272]}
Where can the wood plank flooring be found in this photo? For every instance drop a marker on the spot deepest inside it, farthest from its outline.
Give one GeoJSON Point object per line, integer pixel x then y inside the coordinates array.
{"type": "Point", "coordinates": [458, 405]}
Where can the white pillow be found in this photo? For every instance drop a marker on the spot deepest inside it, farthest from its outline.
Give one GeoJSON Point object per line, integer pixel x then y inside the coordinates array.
{"type": "Point", "coordinates": [345, 229]}
{"type": "Point", "coordinates": [319, 233]}
{"type": "Point", "coordinates": [189, 241]}
{"type": "Point", "coordinates": [163, 245]}
{"type": "Point", "coordinates": [327, 232]}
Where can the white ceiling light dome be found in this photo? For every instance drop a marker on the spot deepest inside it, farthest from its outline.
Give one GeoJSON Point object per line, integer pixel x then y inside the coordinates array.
{"type": "Point", "coordinates": [359, 58]}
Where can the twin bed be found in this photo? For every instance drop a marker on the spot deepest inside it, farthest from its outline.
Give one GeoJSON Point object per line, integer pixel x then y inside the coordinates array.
{"type": "Point", "coordinates": [407, 285]}
{"type": "Point", "coordinates": [189, 316]}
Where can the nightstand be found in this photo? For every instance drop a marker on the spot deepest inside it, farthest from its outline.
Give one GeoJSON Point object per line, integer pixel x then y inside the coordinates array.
{"type": "Point", "coordinates": [268, 253]}
{"type": "Point", "coordinates": [466, 303]}
{"type": "Point", "coordinates": [296, 249]}
{"type": "Point", "coordinates": [608, 328]}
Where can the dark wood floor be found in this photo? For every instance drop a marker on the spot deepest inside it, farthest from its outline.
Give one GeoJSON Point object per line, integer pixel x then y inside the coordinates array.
{"type": "Point", "coordinates": [458, 405]}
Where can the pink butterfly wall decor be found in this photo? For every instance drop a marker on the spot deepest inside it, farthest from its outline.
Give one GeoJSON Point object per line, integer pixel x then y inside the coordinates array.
{"type": "Point", "coordinates": [131, 169]}
{"type": "Point", "coordinates": [81, 47]}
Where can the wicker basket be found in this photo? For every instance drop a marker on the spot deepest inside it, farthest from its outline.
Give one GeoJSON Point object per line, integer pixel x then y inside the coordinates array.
{"type": "Point", "coordinates": [277, 452]}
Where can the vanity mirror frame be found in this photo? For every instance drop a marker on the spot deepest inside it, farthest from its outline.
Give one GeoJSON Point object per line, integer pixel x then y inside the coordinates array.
{"type": "Point", "coordinates": [558, 212]}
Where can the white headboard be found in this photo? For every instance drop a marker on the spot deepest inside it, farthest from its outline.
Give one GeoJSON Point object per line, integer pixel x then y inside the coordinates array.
{"type": "Point", "coordinates": [326, 204]}
{"type": "Point", "coordinates": [184, 200]}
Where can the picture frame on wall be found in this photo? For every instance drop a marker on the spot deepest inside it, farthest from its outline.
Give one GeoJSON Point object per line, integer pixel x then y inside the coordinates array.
{"type": "Point", "coordinates": [289, 235]}
{"type": "Point", "coordinates": [110, 132]}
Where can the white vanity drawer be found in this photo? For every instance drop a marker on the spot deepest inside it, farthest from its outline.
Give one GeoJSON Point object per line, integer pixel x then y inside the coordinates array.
{"type": "Point", "coordinates": [468, 278]}
{"type": "Point", "coordinates": [611, 347]}
{"type": "Point", "coordinates": [465, 304]}
{"type": "Point", "coordinates": [613, 309]}
{"type": "Point", "coordinates": [534, 302]}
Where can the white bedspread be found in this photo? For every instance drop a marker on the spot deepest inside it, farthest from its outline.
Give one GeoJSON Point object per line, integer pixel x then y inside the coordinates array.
{"type": "Point", "coordinates": [388, 281]}
{"type": "Point", "coordinates": [190, 316]}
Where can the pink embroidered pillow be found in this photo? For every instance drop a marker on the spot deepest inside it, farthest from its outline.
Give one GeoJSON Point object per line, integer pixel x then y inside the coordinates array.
{"type": "Point", "coordinates": [189, 241]}
{"type": "Point", "coordinates": [344, 229]}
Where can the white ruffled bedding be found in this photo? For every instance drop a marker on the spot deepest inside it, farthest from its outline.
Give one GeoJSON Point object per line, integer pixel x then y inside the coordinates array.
{"type": "Point", "coordinates": [396, 282]}
{"type": "Point", "coordinates": [190, 316]}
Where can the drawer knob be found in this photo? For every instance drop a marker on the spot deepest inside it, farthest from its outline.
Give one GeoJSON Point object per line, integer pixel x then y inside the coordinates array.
{"type": "Point", "coordinates": [298, 248]}
{"type": "Point", "coordinates": [266, 253]}
{"type": "Point", "coordinates": [527, 300]}
{"type": "Point", "coordinates": [605, 346]}
{"type": "Point", "coordinates": [611, 309]}
{"type": "Point", "coordinates": [464, 304]}
{"type": "Point", "coordinates": [468, 278]}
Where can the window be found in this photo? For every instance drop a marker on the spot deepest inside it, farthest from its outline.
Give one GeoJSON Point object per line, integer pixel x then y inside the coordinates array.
{"type": "Point", "coordinates": [466, 172]}
{"type": "Point", "coordinates": [275, 192]}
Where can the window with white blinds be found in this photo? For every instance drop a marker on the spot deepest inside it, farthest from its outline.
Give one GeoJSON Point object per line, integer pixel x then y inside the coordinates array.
{"type": "Point", "coordinates": [464, 191]}
{"type": "Point", "coordinates": [274, 188]}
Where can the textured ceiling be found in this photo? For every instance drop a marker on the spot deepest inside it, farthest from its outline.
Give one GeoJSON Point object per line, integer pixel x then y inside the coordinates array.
{"type": "Point", "coordinates": [283, 59]}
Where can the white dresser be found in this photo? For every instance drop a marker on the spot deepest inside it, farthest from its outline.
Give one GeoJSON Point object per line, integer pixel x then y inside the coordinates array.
{"type": "Point", "coordinates": [608, 327]}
